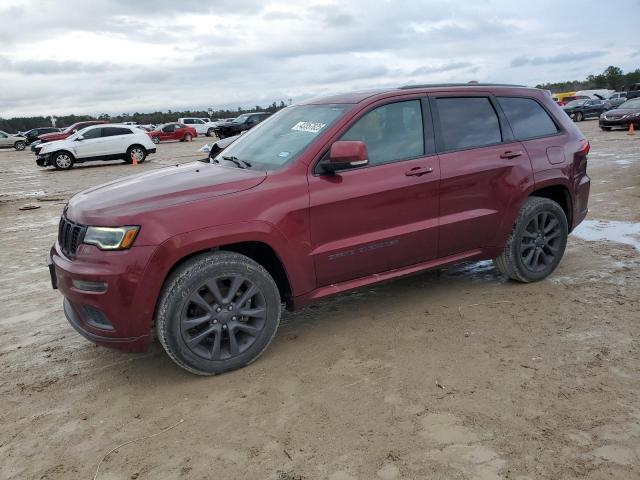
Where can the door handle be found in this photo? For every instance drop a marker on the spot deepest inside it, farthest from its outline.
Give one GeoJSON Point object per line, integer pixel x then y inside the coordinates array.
{"type": "Point", "coordinates": [418, 171]}
{"type": "Point", "coordinates": [511, 154]}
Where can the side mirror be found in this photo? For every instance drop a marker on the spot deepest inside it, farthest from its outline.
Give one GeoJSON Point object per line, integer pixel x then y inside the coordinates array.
{"type": "Point", "coordinates": [346, 154]}
{"type": "Point", "coordinates": [80, 138]}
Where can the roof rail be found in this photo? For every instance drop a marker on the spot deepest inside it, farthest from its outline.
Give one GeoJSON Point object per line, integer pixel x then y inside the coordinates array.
{"type": "Point", "coordinates": [474, 84]}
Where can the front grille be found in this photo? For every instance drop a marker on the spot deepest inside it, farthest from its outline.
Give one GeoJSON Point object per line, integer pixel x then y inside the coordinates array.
{"type": "Point", "coordinates": [70, 235]}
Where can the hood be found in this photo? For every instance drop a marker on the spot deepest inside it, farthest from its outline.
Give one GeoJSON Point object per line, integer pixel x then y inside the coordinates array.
{"type": "Point", "coordinates": [622, 111]}
{"type": "Point", "coordinates": [159, 189]}
{"type": "Point", "coordinates": [51, 145]}
{"type": "Point", "coordinates": [50, 137]}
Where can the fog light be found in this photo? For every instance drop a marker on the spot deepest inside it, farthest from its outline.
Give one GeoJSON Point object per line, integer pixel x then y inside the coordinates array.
{"type": "Point", "coordinates": [89, 286]}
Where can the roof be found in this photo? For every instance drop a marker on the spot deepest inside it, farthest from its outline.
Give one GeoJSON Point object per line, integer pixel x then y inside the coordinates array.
{"type": "Point", "coordinates": [359, 96]}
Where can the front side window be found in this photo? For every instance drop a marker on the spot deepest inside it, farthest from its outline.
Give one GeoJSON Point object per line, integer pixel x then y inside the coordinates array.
{"type": "Point", "coordinates": [91, 133]}
{"type": "Point", "coordinates": [283, 136]}
{"type": "Point", "coordinates": [468, 122]}
{"type": "Point", "coordinates": [3, 135]}
{"type": "Point", "coordinates": [391, 132]}
{"type": "Point", "coordinates": [527, 117]}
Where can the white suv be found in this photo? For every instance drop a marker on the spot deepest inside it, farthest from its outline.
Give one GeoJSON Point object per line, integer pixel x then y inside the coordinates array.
{"type": "Point", "coordinates": [201, 125]}
{"type": "Point", "coordinates": [97, 142]}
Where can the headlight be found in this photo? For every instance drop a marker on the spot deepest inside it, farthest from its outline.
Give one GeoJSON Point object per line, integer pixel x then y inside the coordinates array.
{"type": "Point", "coordinates": [111, 238]}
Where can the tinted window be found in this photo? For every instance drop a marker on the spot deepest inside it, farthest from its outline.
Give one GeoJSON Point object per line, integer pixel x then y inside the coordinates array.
{"type": "Point", "coordinates": [92, 133]}
{"type": "Point", "coordinates": [527, 118]}
{"type": "Point", "coordinates": [188, 121]}
{"type": "Point", "coordinates": [169, 128]}
{"type": "Point", "coordinates": [113, 131]}
{"type": "Point", "coordinates": [468, 122]}
{"type": "Point", "coordinates": [391, 132]}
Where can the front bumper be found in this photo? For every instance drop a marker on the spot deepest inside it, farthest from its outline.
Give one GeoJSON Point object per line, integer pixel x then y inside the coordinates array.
{"type": "Point", "coordinates": [44, 160]}
{"type": "Point", "coordinates": [119, 316]}
{"type": "Point", "coordinates": [620, 122]}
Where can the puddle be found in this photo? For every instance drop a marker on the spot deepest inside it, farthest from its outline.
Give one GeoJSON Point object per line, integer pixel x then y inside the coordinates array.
{"type": "Point", "coordinates": [612, 231]}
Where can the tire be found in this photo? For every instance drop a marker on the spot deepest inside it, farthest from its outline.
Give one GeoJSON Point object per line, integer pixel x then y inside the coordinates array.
{"type": "Point", "coordinates": [138, 150]}
{"type": "Point", "coordinates": [195, 325]}
{"type": "Point", "coordinates": [532, 233]}
{"type": "Point", "coordinates": [210, 132]}
{"type": "Point", "coordinates": [20, 145]}
{"type": "Point", "coordinates": [155, 140]}
{"type": "Point", "coordinates": [187, 137]}
{"type": "Point", "coordinates": [579, 116]}
{"type": "Point", "coordinates": [63, 160]}
{"type": "Point", "coordinates": [606, 129]}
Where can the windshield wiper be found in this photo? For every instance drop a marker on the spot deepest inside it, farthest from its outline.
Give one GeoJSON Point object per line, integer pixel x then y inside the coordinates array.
{"type": "Point", "coordinates": [237, 161]}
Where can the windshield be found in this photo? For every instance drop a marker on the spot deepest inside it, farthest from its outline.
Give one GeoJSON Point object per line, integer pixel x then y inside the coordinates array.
{"type": "Point", "coordinates": [283, 136]}
{"type": "Point", "coordinates": [575, 103]}
{"type": "Point", "coordinates": [634, 103]}
{"type": "Point", "coordinates": [240, 119]}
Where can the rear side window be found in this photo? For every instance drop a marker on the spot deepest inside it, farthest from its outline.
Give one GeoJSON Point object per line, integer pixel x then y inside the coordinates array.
{"type": "Point", "coordinates": [468, 122]}
{"type": "Point", "coordinates": [391, 132]}
{"type": "Point", "coordinates": [527, 118]}
{"type": "Point", "coordinates": [188, 121]}
{"type": "Point", "coordinates": [113, 131]}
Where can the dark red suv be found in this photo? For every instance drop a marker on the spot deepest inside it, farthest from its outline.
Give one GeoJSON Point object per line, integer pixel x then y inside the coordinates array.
{"type": "Point", "coordinates": [323, 197]}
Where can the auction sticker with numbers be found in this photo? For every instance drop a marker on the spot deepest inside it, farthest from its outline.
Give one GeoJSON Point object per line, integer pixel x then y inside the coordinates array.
{"type": "Point", "coordinates": [311, 127]}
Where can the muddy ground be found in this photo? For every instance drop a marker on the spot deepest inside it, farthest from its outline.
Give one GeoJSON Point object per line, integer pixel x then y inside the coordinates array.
{"type": "Point", "coordinates": [451, 374]}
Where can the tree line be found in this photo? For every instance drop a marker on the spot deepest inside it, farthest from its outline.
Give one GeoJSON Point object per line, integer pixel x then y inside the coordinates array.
{"type": "Point", "coordinates": [22, 124]}
{"type": "Point", "coordinates": [612, 78]}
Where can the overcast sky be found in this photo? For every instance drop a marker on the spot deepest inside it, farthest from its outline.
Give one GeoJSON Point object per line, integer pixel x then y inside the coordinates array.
{"type": "Point", "coordinates": [114, 56]}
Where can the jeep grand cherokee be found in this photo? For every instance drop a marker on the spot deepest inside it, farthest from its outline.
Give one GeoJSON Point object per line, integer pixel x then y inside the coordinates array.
{"type": "Point", "coordinates": [323, 197]}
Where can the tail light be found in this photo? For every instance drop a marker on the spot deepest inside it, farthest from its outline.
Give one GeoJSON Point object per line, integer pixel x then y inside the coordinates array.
{"type": "Point", "coordinates": [580, 157]}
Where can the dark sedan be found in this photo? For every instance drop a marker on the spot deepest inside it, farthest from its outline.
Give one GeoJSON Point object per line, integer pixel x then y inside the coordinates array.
{"type": "Point", "coordinates": [33, 134]}
{"type": "Point", "coordinates": [625, 114]}
{"type": "Point", "coordinates": [581, 109]}
{"type": "Point", "coordinates": [238, 125]}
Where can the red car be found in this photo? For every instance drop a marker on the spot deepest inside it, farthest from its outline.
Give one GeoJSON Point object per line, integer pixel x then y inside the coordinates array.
{"type": "Point", "coordinates": [51, 137]}
{"type": "Point", "coordinates": [323, 197]}
{"type": "Point", "coordinates": [173, 131]}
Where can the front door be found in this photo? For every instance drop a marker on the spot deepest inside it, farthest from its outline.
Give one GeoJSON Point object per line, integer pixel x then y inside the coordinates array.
{"type": "Point", "coordinates": [384, 215]}
{"type": "Point", "coordinates": [91, 144]}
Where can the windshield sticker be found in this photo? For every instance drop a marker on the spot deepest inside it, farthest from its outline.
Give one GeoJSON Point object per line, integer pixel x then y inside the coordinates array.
{"type": "Point", "coordinates": [311, 127]}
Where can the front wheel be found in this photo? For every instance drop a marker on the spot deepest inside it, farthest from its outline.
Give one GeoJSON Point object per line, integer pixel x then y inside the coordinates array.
{"type": "Point", "coordinates": [218, 312]}
{"type": "Point", "coordinates": [63, 161]}
{"type": "Point", "coordinates": [537, 242]}
{"type": "Point", "coordinates": [210, 132]}
{"type": "Point", "coordinates": [155, 140]}
{"type": "Point", "coordinates": [19, 145]}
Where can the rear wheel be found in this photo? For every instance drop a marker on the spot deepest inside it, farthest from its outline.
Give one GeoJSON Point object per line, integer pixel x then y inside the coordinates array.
{"type": "Point", "coordinates": [537, 242]}
{"type": "Point", "coordinates": [63, 160]}
{"type": "Point", "coordinates": [19, 145]}
{"type": "Point", "coordinates": [218, 312]}
{"type": "Point", "coordinates": [579, 116]}
{"type": "Point", "coordinates": [137, 151]}
{"type": "Point", "coordinates": [187, 137]}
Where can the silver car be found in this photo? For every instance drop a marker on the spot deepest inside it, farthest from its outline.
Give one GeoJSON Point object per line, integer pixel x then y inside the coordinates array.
{"type": "Point", "coordinates": [16, 141]}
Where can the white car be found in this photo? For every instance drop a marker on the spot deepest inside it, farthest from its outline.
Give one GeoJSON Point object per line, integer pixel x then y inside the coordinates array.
{"type": "Point", "coordinates": [16, 141]}
{"type": "Point", "coordinates": [202, 126]}
{"type": "Point", "coordinates": [97, 142]}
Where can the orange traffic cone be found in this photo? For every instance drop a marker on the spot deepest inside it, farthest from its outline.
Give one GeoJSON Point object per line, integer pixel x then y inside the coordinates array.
{"type": "Point", "coordinates": [632, 130]}
{"type": "Point", "coordinates": [134, 159]}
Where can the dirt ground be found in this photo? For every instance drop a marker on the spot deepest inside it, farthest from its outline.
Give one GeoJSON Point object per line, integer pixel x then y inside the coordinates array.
{"type": "Point", "coordinates": [451, 374]}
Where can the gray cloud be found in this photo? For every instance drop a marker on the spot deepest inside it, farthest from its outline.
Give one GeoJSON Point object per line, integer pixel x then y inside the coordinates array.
{"type": "Point", "coordinates": [64, 56]}
{"type": "Point", "coordinates": [559, 58]}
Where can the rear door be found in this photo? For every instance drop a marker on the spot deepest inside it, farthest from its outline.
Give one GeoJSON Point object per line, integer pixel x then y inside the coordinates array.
{"type": "Point", "coordinates": [116, 140]}
{"type": "Point", "coordinates": [384, 215]}
{"type": "Point", "coordinates": [483, 171]}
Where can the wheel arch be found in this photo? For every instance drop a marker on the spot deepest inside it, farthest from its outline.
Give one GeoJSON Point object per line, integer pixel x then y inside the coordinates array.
{"type": "Point", "coordinates": [63, 150]}
{"type": "Point", "coordinates": [559, 194]}
{"type": "Point", "coordinates": [259, 251]}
